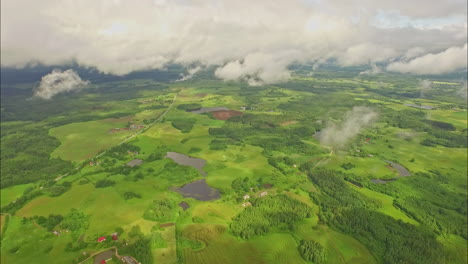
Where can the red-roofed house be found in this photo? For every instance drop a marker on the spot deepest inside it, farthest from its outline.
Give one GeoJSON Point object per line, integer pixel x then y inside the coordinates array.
{"type": "Point", "coordinates": [101, 239]}
{"type": "Point", "coordinates": [103, 261]}
{"type": "Point", "coordinates": [115, 237]}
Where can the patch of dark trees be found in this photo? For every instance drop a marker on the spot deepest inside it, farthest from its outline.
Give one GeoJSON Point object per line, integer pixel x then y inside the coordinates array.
{"type": "Point", "coordinates": [267, 214]}
{"type": "Point", "coordinates": [390, 240]}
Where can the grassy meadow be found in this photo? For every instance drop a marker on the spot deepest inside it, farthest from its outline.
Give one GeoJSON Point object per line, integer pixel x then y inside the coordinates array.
{"type": "Point", "coordinates": [258, 162]}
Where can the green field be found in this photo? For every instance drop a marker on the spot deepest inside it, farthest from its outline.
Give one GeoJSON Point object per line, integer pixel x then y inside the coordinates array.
{"type": "Point", "coordinates": [279, 185]}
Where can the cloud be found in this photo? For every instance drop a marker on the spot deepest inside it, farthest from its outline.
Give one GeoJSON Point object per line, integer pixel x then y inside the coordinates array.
{"type": "Point", "coordinates": [59, 82]}
{"type": "Point", "coordinates": [463, 92]}
{"type": "Point", "coordinates": [258, 68]}
{"type": "Point", "coordinates": [425, 86]}
{"type": "Point", "coordinates": [452, 59]}
{"type": "Point", "coordinates": [337, 135]}
{"type": "Point", "coordinates": [243, 40]}
{"type": "Point", "coordinates": [191, 73]}
{"type": "Point", "coordinates": [373, 70]}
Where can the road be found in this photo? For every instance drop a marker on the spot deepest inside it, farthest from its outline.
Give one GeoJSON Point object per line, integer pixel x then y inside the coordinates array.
{"type": "Point", "coordinates": [125, 140]}
{"type": "Point", "coordinates": [324, 158]}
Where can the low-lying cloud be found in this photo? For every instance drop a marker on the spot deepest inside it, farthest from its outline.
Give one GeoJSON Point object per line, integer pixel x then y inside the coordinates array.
{"type": "Point", "coordinates": [59, 82]}
{"type": "Point", "coordinates": [463, 92]}
{"type": "Point", "coordinates": [425, 86]}
{"type": "Point", "coordinates": [338, 135]}
{"type": "Point", "coordinates": [452, 59]}
{"type": "Point", "coordinates": [190, 73]}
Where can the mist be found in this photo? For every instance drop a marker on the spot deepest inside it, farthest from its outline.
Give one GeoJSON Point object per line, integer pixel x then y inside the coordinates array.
{"type": "Point", "coordinates": [354, 121]}
{"type": "Point", "coordinates": [425, 86]}
{"type": "Point", "coordinates": [59, 82]}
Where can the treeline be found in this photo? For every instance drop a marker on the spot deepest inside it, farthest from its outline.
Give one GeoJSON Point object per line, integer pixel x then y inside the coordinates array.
{"type": "Point", "coordinates": [391, 241]}
{"type": "Point", "coordinates": [267, 213]}
{"type": "Point", "coordinates": [336, 194]}
{"type": "Point", "coordinates": [283, 164]}
{"type": "Point", "coordinates": [185, 125]}
{"type": "Point", "coordinates": [25, 157]}
{"type": "Point", "coordinates": [140, 249]}
{"type": "Point", "coordinates": [120, 152]}
{"type": "Point", "coordinates": [49, 222]}
{"type": "Point", "coordinates": [312, 251]}
{"type": "Point", "coordinates": [189, 107]}
{"type": "Point", "coordinates": [438, 132]}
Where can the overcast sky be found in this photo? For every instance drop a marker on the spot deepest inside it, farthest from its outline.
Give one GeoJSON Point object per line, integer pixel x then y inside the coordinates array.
{"type": "Point", "coordinates": [254, 40]}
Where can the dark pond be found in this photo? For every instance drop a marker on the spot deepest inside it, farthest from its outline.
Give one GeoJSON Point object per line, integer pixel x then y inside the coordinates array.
{"type": "Point", "coordinates": [184, 205]}
{"type": "Point", "coordinates": [199, 190]}
{"type": "Point", "coordinates": [187, 161]}
{"type": "Point", "coordinates": [402, 171]}
{"type": "Point", "coordinates": [208, 109]}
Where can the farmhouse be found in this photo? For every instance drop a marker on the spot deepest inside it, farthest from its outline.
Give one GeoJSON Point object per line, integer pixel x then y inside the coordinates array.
{"type": "Point", "coordinates": [246, 204]}
{"type": "Point", "coordinates": [263, 194]}
{"type": "Point", "coordinates": [246, 197]}
{"type": "Point", "coordinates": [101, 239]}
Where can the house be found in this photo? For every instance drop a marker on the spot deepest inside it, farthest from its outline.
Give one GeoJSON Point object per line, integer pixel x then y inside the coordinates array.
{"type": "Point", "coordinates": [294, 166]}
{"type": "Point", "coordinates": [103, 261]}
{"type": "Point", "coordinates": [246, 197]}
{"type": "Point", "coordinates": [91, 163]}
{"type": "Point", "coordinates": [101, 239]}
{"type": "Point", "coordinates": [115, 236]}
{"type": "Point", "coordinates": [263, 194]}
{"type": "Point", "coordinates": [246, 204]}
{"type": "Point", "coordinates": [57, 233]}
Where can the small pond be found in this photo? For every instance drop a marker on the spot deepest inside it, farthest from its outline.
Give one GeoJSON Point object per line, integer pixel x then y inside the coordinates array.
{"type": "Point", "coordinates": [402, 171]}
{"type": "Point", "coordinates": [184, 205]}
{"type": "Point", "coordinates": [199, 190]}
{"type": "Point", "coordinates": [187, 161]}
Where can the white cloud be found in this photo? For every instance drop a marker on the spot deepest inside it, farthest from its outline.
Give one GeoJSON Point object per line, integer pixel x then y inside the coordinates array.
{"type": "Point", "coordinates": [59, 82]}
{"type": "Point", "coordinates": [247, 40]}
{"type": "Point", "coordinates": [452, 59]}
{"type": "Point", "coordinates": [191, 73]}
{"type": "Point", "coordinates": [338, 135]}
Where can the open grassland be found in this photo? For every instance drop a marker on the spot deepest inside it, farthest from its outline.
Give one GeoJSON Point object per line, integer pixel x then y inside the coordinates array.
{"type": "Point", "coordinates": [8, 195]}
{"type": "Point", "coordinates": [80, 141]}
{"type": "Point", "coordinates": [29, 243]}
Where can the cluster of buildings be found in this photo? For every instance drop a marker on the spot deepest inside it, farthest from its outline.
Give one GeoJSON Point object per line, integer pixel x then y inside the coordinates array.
{"type": "Point", "coordinates": [131, 127]}
{"type": "Point", "coordinates": [115, 237]}
{"type": "Point", "coordinates": [247, 196]}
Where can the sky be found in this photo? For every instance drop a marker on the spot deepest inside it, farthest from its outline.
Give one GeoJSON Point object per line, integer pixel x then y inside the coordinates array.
{"type": "Point", "coordinates": [254, 41]}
